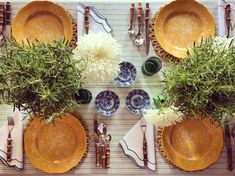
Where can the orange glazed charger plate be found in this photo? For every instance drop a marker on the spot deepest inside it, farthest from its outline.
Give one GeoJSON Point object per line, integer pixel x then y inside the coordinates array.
{"type": "Point", "coordinates": [192, 144]}
{"type": "Point", "coordinates": [55, 148]}
{"type": "Point", "coordinates": [42, 20]}
{"type": "Point", "coordinates": [181, 23]}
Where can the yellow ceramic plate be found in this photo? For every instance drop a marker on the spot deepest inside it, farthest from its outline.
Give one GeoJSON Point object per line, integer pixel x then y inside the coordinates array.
{"type": "Point", "coordinates": [42, 20]}
{"type": "Point", "coordinates": [55, 148]}
{"type": "Point", "coordinates": [192, 144]}
{"type": "Point", "coordinates": [181, 23]}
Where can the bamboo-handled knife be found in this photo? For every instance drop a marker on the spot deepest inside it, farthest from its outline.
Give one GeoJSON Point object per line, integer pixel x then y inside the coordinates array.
{"type": "Point", "coordinates": [97, 144]}
{"type": "Point", "coordinates": [147, 41]}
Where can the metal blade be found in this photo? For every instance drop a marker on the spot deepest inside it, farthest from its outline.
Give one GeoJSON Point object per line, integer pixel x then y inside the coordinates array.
{"type": "Point", "coordinates": [96, 124]}
{"type": "Point", "coordinates": [147, 39]}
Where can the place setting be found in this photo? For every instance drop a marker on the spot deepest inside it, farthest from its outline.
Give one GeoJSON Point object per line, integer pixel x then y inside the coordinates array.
{"type": "Point", "coordinates": [83, 93]}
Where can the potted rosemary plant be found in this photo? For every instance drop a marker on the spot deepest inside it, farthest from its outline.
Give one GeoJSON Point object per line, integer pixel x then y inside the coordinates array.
{"type": "Point", "coordinates": [204, 83]}
{"type": "Point", "coordinates": [40, 79]}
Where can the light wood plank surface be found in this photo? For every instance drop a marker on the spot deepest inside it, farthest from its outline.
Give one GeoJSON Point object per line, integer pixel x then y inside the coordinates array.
{"type": "Point", "coordinates": [117, 14]}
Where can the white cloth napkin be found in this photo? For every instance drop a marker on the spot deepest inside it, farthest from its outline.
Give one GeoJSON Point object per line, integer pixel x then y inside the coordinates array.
{"type": "Point", "coordinates": [97, 22]}
{"type": "Point", "coordinates": [221, 16]}
{"type": "Point", "coordinates": [132, 144]}
{"type": "Point", "coordinates": [17, 142]}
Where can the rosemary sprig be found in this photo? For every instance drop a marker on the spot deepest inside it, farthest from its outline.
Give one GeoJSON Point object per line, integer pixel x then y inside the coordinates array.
{"type": "Point", "coordinates": [204, 83]}
{"type": "Point", "coordinates": [39, 78]}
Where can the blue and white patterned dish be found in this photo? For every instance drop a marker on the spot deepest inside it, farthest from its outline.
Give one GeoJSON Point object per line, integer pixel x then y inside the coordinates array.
{"type": "Point", "coordinates": [107, 102]}
{"type": "Point", "coordinates": [127, 75]}
{"type": "Point", "coordinates": [137, 101]}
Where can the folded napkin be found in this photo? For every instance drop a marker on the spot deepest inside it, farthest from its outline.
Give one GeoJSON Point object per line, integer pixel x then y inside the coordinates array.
{"type": "Point", "coordinates": [97, 22]}
{"type": "Point", "coordinates": [132, 144]}
{"type": "Point", "coordinates": [221, 17]}
{"type": "Point", "coordinates": [17, 142]}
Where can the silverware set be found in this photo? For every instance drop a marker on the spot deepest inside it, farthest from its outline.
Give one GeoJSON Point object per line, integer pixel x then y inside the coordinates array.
{"type": "Point", "coordinates": [139, 37]}
{"type": "Point", "coordinates": [9, 139]}
{"type": "Point", "coordinates": [102, 144]}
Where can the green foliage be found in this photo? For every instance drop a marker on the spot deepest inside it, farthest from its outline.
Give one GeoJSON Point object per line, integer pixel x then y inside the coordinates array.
{"type": "Point", "coordinates": [40, 79]}
{"type": "Point", "coordinates": [204, 83]}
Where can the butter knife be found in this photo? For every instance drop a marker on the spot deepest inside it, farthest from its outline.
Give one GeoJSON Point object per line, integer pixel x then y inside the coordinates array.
{"type": "Point", "coordinates": [229, 147]}
{"type": "Point", "coordinates": [147, 41]}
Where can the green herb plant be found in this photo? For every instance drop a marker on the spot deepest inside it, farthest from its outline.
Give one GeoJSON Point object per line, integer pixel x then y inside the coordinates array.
{"type": "Point", "coordinates": [39, 78]}
{"type": "Point", "coordinates": [204, 83]}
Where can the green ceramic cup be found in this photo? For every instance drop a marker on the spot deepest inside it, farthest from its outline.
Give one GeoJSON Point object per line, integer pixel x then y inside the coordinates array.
{"type": "Point", "coordinates": [151, 66]}
{"type": "Point", "coordinates": [83, 96]}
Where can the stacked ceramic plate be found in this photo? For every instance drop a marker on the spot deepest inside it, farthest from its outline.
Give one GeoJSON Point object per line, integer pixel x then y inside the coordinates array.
{"type": "Point", "coordinates": [42, 20]}
{"type": "Point", "coordinates": [179, 24]}
{"type": "Point", "coordinates": [191, 144]}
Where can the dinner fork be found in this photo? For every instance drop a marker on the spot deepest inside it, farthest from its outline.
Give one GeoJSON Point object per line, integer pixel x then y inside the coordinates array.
{"type": "Point", "coordinates": [9, 139]}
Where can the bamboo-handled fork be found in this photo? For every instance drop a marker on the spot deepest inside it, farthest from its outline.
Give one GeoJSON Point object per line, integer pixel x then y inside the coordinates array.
{"type": "Point", "coordinates": [143, 126]}
{"type": "Point", "coordinates": [9, 139]}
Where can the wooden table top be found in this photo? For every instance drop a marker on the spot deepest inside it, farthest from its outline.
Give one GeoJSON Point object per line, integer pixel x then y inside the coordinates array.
{"type": "Point", "coordinates": [117, 14]}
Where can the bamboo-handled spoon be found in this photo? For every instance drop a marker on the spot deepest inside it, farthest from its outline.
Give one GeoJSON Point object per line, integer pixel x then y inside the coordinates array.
{"type": "Point", "coordinates": [139, 39]}
{"type": "Point", "coordinates": [131, 30]}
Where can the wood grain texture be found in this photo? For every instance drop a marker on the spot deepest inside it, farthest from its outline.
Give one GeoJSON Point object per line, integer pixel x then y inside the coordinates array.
{"type": "Point", "coordinates": [118, 17]}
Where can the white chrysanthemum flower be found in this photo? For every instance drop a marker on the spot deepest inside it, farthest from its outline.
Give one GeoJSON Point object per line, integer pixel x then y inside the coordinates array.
{"type": "Point", "coordinates": [102, 54]}
{"type": "Point", "coordinates": [164, 117]}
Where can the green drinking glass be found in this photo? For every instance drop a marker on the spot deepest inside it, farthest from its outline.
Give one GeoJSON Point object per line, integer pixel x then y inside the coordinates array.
{"type": "Point", "coordinates": [151, 66]}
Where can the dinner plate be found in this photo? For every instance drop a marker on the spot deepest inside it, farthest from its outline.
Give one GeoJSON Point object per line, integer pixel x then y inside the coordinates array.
{"type": "Point", "coordinates": [137, 101]}
{"type": "Point", "coordinates": [126, 75]}
{"type": "Point", "coordinates": [192, 144]}
{"type": "Point", "coordinates": [107, 102]}
{"type": "Point", "coordinates": [42, 20]}
{"type": "Point", "coordinates": [55, 148]}
{"type": "Point", "coordinates": [181, 23]}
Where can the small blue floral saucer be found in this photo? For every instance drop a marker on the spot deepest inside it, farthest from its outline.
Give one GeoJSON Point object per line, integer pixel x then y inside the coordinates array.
{"type": "Point", "coordinates": [137, 101]}
{"type": "Point", "coordinates": [107, 102]}
{"type": "Point", "coordinates": [126, 75]}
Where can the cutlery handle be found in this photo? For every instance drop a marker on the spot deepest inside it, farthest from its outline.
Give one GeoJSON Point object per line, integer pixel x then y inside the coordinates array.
{"type": "Point", "coordinates": [103, 157]}
{"type": "Point", "coordinates": [147, 9]}
{"type": "Point", "coordinates": [229, 147]}
{"type": "Point", "coordinates": [145, 152]}
{"type": "Point", "coordinates": [97, 154]}
{"type": "Point", "coordinates": [228, 17]}
{"type": "Point", "coordinates": [132, 9]}
{"type": "Point", "coordinates": [9, 149]}
{"type": "Point", "coordinates": [108, 156]}
{"type": "Point", "coordinates": [87, 10]}
{"type": "Point", "coordinates": [139, 15]}
{"type": "Point", "coordinates": [2, 10]}
{"type": "Point", "coordinates": [8, 13]}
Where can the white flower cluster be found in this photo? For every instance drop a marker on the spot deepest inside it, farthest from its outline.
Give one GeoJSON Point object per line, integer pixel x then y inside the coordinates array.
{"type": "Point", "coordinates": [102, 55]}
{"type": "Point", "coordinates": [163, 117]}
